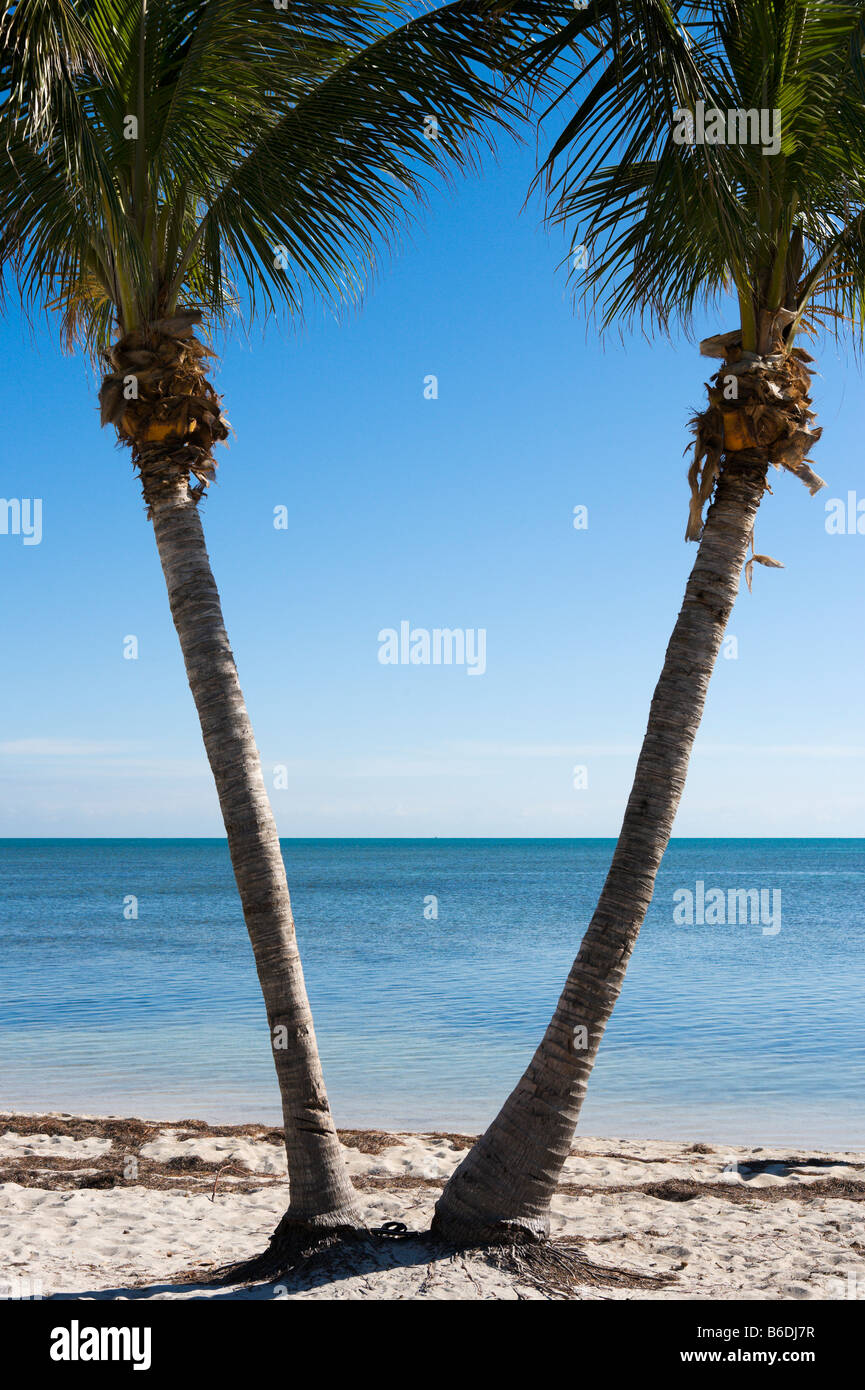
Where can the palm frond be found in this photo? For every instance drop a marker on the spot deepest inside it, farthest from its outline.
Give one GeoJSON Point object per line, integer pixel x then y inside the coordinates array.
{"type": "Point", "coordinates": [188, 151]}
{"type": "Point", "coordinates": [668, 226]}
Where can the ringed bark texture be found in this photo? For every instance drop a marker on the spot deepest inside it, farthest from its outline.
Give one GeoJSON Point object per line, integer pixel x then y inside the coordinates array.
{"type": "Point", "coordinates": [157, 395]}
{"type": "Point", "coordinates": [320, 1191]}
{"type": "Point", "coordinates": [503, 1188]}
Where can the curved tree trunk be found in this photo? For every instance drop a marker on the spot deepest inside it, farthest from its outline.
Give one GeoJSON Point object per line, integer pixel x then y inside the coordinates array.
{"type": "Point", "coordinates": [321, 1195]}
{"type": "Point", "coordinates": [504, 1186]}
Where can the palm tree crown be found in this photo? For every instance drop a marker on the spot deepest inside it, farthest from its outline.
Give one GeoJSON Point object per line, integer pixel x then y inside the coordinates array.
{"type": "Point", "coordinates": [716, 146]}
{"type": "Point", "coordinates": [675, 215]}
{"type": "Point", "coordinates": [166, 159]}
{"type": "Point", "coordinates": [163, 153]}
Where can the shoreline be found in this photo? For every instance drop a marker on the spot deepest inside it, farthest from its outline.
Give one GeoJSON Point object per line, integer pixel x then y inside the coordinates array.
{"type": "Point", "coordinates": [111, 1207]}
{"type": "Point", "coordinates": [791, 1142]}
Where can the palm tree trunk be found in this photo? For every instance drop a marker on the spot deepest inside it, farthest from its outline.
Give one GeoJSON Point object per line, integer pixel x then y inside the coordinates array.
{"type": "Point", "coordinates": [321, 1195]}
{"type": "Point", "coordinates": [504, 1186]}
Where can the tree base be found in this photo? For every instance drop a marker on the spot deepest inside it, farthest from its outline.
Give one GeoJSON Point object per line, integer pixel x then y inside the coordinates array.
{"type": "Point", "coordinates": [296, 1246]}
{"type": "Point", "coordinates": [555, 1268]}
{"type": "Point", "coordinates": [460, 1227]}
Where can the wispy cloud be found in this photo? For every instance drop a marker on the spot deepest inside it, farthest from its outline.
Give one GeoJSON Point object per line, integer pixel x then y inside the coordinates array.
{"type": "Point", "coordinates": [626, 750]}
{"type": "Point", "coordinates": [781, 750]}
{"type": "Point", "coordinates": [76, 758]}
{"type": "Point", "coordinates": [63, 748]}
{"type": "Point", "coordinates": [544, 750]}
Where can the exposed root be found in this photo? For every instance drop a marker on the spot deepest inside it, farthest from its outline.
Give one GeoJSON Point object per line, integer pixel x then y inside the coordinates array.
{"type": "Point", "coordinates": [297, 1249]}
{"type": "Point", "coordinates": [287, 1255]}
{"type": "Point", "coordinates": [558, 1267]}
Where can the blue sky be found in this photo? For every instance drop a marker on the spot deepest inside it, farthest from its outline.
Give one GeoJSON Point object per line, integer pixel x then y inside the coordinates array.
{"type": "Point", "coordinates": [454, 512]}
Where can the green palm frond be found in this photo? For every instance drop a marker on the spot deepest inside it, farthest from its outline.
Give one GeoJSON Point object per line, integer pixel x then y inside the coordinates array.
{"type": "Point", "coordinates": [338, 170]}
{"type": "Point", "coordinates": [168, 152]}
{"type": "Point", "coordinates": [669, 226]}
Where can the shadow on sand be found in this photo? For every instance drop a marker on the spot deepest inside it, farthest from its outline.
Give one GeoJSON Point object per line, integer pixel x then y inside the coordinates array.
{"type": "Point", "coordinates": [332, 1267]}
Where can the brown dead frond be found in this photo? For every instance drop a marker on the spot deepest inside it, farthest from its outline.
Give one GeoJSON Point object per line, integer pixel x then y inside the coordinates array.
{"type": "Point", "coordinates": [759, 408]}
{"type": "Point", "coordinates": [159, 399]}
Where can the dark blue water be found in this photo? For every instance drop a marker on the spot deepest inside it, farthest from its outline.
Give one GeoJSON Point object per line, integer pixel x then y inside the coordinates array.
{"type": "Point", "coordinates": [726, 1031]}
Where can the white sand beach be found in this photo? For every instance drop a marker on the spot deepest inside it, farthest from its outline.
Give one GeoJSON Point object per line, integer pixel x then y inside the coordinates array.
{"type": "Point", "coordinates": [104, 1207]}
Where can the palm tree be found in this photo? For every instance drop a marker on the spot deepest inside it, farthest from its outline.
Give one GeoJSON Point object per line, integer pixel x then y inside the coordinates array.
{"type": "Point", "coordinates": [171, 164]}
{"type": "Point", "coordinates": [671, 222]}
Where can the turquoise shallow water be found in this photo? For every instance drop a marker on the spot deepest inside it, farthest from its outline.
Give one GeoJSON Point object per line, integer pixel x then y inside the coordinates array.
{"type": "Point", "coordinates": [724, 1031]}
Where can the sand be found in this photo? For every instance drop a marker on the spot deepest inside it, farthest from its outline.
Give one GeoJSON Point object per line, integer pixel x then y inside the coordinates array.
{"type": "Point", "coordinates": [102, 1207]}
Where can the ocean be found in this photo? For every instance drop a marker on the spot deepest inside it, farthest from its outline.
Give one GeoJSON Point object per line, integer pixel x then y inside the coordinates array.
{"type": "Point", "coordinates": [432, 967]}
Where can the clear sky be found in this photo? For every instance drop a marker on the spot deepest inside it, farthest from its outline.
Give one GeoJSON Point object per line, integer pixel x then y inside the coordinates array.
{"type": "Point", "coordinates": [455, 512]}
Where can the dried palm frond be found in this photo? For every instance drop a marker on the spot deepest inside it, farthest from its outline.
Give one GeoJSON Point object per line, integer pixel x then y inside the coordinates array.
{"type": "Point", "coordinates": [758, 406]}
{"type": "Point", "coordinates": [160, 401]}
